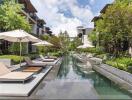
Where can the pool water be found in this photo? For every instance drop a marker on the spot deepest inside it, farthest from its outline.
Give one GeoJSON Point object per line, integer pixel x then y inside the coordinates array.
{"type": "Point", "coordinates": [73, 70]}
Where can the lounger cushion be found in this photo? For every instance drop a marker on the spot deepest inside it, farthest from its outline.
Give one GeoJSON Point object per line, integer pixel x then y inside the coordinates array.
{"type": "Point", "coordinates": [48, 60]}
{"type": "Point", "coordinates": [3, 69]}
{"type": "Point", "coordinates": [43, 58]}
{"type": "Point", "coordinates": [37, 65]}
{"type": "Point", "coordinates": [32, 69]}
{"type": "Point", "coordinates": [28, 60]}
{"type": "Point", "coordinates": [50, 57]}
{"type": "Point", "coordinates": [30, 63]}
{"type": "Point", "coordinates": [16, 76]}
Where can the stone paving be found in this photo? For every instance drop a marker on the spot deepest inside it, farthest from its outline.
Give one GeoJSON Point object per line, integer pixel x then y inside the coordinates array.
{"type": "Point", "coordinates": [59, 89]}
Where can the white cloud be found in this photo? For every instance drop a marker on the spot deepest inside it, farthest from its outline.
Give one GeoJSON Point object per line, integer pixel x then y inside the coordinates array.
{"type": "Point", "coordinates": [92, 2]}
{"type": "Point", "coordinates": [49, 11]}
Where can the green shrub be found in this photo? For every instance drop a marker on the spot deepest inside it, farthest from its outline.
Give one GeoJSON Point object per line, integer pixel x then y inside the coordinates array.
{"type": "Point", "coordinates": [33, 55]}
{"type": "Point", "coordinates": [15, 48]}
{"type": "Point", "coordinates": [14, 58]}
{"type": "Point", "coordinates": [96, 51]}
{"type": "Point", "coordinates": [102, 56]}
{"type": "Point", "coordinates": [120, 63]}
{"type": "Point", "coordinates": [57, 54]}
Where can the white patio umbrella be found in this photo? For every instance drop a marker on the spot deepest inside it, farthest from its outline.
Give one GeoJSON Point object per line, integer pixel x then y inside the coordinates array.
{"type": "Point", "coordinates": [86, 43]}
{"type": "Point", "coordinates": [43, 43]}
{"type": "Point", "coordinates": [85, 46]}
{"type": "Point", "coordinates": [18, 36]}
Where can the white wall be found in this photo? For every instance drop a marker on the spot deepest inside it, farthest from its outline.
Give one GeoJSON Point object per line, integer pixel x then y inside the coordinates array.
{"type": "Point", "coordinates": [34, 29]}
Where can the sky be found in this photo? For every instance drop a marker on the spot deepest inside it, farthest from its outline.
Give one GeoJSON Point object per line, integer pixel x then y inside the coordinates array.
{"type": "Point", "coordinates": [61, 15]}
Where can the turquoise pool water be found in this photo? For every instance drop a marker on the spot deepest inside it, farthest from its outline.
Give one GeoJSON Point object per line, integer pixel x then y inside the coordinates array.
{"type": "Point", "coordinates": [72, 69]}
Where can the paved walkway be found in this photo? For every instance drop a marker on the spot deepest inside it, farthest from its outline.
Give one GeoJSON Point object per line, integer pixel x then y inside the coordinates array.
{"type": "Point", "coordinates": [50, 76]}
{"type": "Point", "coordinates": [60, 89]}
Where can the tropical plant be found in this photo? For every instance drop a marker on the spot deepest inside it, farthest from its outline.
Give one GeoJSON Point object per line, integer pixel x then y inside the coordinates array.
{"type": "Point", "coordinates": [121, 63]}
{"type": "Point", "coordinates": [73, 44]}
{"type": "Point", "coordinates": [11, 17]}
{"type": "Point", "coordinates": [115, 28]}
{"type": "Point", "coordinates": [93, 36]}
{"type": "Point", "coordinates": [14, 48]}
{"type": "Point", "coordinates": [64, 41]}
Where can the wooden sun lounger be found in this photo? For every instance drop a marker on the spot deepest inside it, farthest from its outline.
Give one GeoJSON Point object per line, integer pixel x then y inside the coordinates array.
{"type": "Point", "coordinates": [30, 63]}
{"type": "Point", "coordinates": [32, 69]}
{"type": "Point", "coordinates": [7, 76]}
{"type": "Point", "coordinates": [46, 59]}
{"type": "Point", "coordinates": [51, 57]}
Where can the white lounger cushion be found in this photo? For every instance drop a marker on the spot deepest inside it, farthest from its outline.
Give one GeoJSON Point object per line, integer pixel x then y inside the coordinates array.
{"type": "Point", "coordinates": [16, 75]}
{"type": "Point", "coordinates": [7, 75]}
{"type": "Point", "coordinates": [3, 69]}
{"type": "Point", "coordinates": [46, 59]}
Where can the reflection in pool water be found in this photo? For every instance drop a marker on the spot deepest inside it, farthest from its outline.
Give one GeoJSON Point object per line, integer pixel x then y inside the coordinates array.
{"type": "Point", "coordinates": [72, 70]}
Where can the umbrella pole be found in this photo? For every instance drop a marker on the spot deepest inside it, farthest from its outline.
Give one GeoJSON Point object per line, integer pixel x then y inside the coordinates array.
{"type": "Point", "coordinates": [20, 51]}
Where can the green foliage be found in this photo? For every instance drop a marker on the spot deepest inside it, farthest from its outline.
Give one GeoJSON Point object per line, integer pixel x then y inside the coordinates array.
{"type": "Point", "coordinates": [115, 27]}
{"type": "Point", "coordinates": [93, 37]}
{"type": "Point", "coordinates": [74, 44]}
{"type": "Point", "coordinates": [124, 1]}
{"type": "Point", "coordinates": [96, 51]}
{"type": "Point", "coordinates": [57, 54]}
{"type": "Point", "coordinates": [42, 49]}
{"type": "Point", "coordinates": [16, 58]}
{"type": "Point", "coordinates": [51, 39]}
{"type": "Point", "coordinates": [15, 48]}
{"type": "Point", "coordinates": [102, 56]}
{"type": "Point", "coordinates": [45, 37]}
{"type": "Point", "coordinates": [120, 63]}
{"type": "Point", "coordinates": [55, 41]}
{"type": "Point", "coordinates": [10, 17]}
{"type": "Point", "coordinates": [64, 41]}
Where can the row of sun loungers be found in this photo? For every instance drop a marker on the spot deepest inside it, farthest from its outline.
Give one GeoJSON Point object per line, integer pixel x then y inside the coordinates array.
{"type": "Point", "coordinates": [7, 76]}
{"type": "Point", "coordinates": [27, 73]}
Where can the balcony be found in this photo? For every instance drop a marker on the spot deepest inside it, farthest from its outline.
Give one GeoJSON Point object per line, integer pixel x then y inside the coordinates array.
{"type": "Point", "coordinates": [32, 21]}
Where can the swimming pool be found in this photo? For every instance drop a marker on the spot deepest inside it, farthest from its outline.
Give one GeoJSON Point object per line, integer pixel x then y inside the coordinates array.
{"type": "Point", "coordinates": [73, 70]}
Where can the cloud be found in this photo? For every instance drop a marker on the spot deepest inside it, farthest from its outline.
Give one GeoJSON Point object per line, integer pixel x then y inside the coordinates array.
{"type": "Point", "coordinates": [92, 2]}
{"type": "Point", "coordinates": [49, 10]}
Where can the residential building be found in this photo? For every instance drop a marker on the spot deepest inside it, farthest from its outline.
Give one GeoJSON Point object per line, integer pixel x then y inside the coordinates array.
{"type": "Point", "coordinates": [96, 18]}
{"type": "Point", "coordinates": [40, 27]}
{"type": "Point", "coordinates": [83, 32]}
{"type": "Point", "coordinates": [37, 25]}
{"type": "Point", "coordinates": [48, 31]}
{"type": "Point", "coordinates": [30, 12]}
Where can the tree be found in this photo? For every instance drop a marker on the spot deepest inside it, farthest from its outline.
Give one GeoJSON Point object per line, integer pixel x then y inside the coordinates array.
{"type": "Point", "coordinates": [74, 43]}
{"type": "Point", "coordinates": [124, 1]}
{"type": "Point", "coordinates": [11, 18]}
{"type": "Point", "coordinates": [115, 27]}
{"type": "Point", "coordinates": [14, 48]}
{"type": "Point", "coordinates": [53, 40]}
{"type": "Point", "coordinates": [64, 41]}
{"type": "Point", "coordinates": [93, 37]}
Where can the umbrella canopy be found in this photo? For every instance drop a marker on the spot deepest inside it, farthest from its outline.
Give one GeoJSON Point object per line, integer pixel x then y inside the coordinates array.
{"type": "Point", "coordinates": [17, 36]}
{"type": "Point", "coordinates": [43, 43]}
{"type": "Point", "coordinates": [86, 43]}
{"type": "Point", "coordinates": [85, 46]}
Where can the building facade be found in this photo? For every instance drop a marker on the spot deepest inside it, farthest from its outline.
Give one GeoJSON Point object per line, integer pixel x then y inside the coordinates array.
{"type": "Point", "coordinates": [38, 27]}
{"type": "Point", "coordinates": [83, 32]}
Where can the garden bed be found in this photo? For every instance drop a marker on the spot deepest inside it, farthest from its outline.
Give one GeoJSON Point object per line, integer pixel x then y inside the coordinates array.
{"type": "Point", "coordinates": [16, 58]}
{"type": "Point", "coordinates": [121, 63]}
